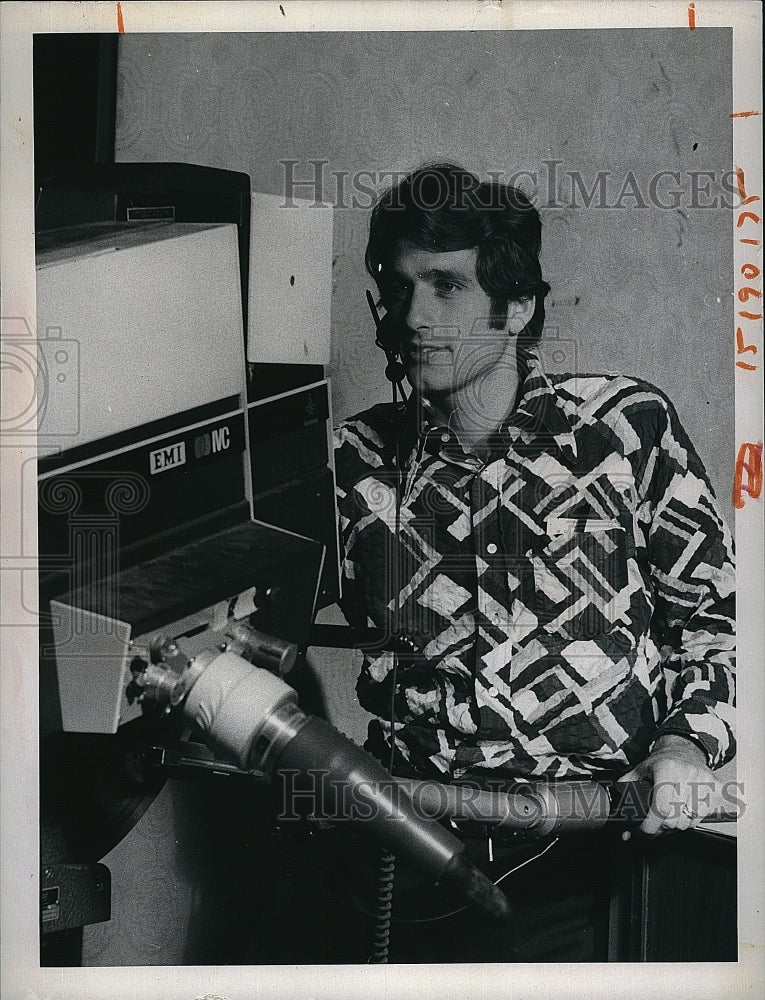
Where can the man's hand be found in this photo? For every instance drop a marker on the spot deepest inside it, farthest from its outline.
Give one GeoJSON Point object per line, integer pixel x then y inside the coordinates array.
{"type": "Point", "coordinates": [682, 785]}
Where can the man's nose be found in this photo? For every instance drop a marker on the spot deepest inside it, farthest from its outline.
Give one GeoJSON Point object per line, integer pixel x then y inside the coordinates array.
{"type": "Point", "coordinates": [419, 312]}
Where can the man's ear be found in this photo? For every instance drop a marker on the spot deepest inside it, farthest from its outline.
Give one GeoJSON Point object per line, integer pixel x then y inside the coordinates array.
{"type": "Point", "coordinates": [519, 314]}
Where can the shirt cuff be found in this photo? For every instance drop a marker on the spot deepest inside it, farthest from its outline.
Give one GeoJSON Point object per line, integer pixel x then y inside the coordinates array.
{"type": "Point", "coordinates": [707, 744]}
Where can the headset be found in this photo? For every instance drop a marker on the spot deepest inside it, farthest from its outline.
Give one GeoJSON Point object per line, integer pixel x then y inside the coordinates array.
{"type": "Point", "coordinates": [388, 340]}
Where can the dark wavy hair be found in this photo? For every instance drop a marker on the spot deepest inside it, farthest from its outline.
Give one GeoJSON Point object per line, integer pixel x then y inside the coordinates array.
{"type": "Point", "coordinates": [443, 207]}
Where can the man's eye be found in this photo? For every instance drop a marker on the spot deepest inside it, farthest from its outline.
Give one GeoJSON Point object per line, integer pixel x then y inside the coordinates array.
{"type": "Point", "coordinates": [444, 287]}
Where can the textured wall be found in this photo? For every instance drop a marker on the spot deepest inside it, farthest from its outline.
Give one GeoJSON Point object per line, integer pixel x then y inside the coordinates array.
{"type": "Point", "coordinates": [643, 290]}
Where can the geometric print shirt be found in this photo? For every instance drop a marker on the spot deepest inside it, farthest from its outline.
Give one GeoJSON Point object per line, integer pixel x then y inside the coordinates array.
{"type": "Point", "coordinates": [557, 605]}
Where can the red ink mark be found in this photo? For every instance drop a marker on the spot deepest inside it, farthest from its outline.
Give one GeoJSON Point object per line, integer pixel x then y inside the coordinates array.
{"type": "Point", "coordinates": [691, 16]}
{"type": "Point", "coordinates": [742, 188]}
{"type": "Point", "coordinates": [750, 272]}
{"type": "Point", "coordinates": [742, 348]}
{"type": "Point", "coordinates": [740, 181]}
{"type": "Point", "coordinates": [749, 463]}
{"type": "Point", "coordinates": [744, 114]}
{"type": "Point", "coordinates": [743, 216]}
{"type": "Point", "coordinates": [120, 20]}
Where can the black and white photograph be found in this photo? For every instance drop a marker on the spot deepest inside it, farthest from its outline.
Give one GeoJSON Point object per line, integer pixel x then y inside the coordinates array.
{"type": "Point", "coordinates": [382, 519]}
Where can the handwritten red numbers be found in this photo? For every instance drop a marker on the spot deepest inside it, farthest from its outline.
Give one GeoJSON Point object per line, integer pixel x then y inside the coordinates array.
{"type": "Point", "coordinates": [747, 478]}
{"type": "Point", "coordinates": [748, 475]}
{"type": "Point", "coordinates": [742, 348]}
{"type": "Point", "coordinates": [750, 272]}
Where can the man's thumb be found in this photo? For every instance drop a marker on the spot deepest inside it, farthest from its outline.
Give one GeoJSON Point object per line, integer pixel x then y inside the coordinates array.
{"type": "Point", "coordinates": [636, 774]}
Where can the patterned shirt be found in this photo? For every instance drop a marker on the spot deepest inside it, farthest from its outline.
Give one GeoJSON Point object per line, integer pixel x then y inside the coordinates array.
{"type": "Point", "coordinates": [560, 604]}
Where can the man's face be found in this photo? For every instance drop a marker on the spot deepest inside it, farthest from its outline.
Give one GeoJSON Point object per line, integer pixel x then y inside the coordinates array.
{"type": "Point", "coordinates": [444, 317]}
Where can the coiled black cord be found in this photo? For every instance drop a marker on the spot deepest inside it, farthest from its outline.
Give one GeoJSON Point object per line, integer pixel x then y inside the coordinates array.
{"type": "Point", "coordinates": [384, 912]}
{"type": "Point", "coordinates": [387, 868]}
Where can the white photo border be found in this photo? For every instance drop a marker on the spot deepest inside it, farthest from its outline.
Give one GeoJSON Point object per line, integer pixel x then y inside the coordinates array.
{"type": "Point", "coordinates": [22, 975]}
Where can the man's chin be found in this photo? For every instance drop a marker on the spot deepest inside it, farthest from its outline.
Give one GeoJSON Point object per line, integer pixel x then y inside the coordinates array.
{"type": "Point", "coordinates": [432, 385]}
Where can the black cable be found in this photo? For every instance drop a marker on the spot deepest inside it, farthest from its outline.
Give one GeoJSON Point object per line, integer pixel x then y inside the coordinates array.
{"type": "Point", "coordinates": [394, 370]}
{"type": "Point", "coordinates": [460, 909]}
{"type": "Point", "coordinates": [384, 912]}
{"type": "Point", "coordinates": [387, 869]}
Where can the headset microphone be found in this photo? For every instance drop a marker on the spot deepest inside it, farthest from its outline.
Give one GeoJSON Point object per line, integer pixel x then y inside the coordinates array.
{"type": "Point", "coordinates": [387, 339]}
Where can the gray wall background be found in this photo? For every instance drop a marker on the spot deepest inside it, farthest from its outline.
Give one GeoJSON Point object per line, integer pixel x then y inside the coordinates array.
{"type": "Point", "coordinates": [644, 291]}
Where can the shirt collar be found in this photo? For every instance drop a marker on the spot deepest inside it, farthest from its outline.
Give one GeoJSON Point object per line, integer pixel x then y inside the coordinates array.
{"type": "Point", "coordinates": [538, 412]}
{"type": "Point", "coordinates": [539, 408]}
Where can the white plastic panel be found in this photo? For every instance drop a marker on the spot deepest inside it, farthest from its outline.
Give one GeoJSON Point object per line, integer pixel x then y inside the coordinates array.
{"type": "Point", "coordinates": [137, 326]}
{"type": "Point", "coordinates": [290, 281]}
{"type": "Point", "coordinates": [92, 669]}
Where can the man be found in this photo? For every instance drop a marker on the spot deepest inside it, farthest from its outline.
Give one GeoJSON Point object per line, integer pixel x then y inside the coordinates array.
{"type": "Point", "coordinates": [546, 551]}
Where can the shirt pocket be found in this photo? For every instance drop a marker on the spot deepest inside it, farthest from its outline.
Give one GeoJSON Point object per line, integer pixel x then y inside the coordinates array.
{"type": "Point", "coordinates": [581, 578]}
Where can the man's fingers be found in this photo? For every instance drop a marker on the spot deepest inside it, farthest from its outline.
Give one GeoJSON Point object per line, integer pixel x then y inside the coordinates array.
{"type": "Point", "coordinates": [682, 790]}
{"type": "Point", "coordinates": [673, 807]}
{"type": "Point", "coordinates": [664, 810]}
{"type": "Point", "coordinates": [652, 824]}
{"type": "Point", "coordinates": [682, 821]}
{"type": "Point", "coordinates": [655, 823]}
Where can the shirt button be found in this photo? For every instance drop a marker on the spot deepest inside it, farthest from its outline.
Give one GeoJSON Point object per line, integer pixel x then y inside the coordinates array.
{"type": "Point", "coordinates": [445, 437]}
{"type": "Point", "coordinates": [491, 548]}
{"type": "Point", "coordinates": [492, 692]}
